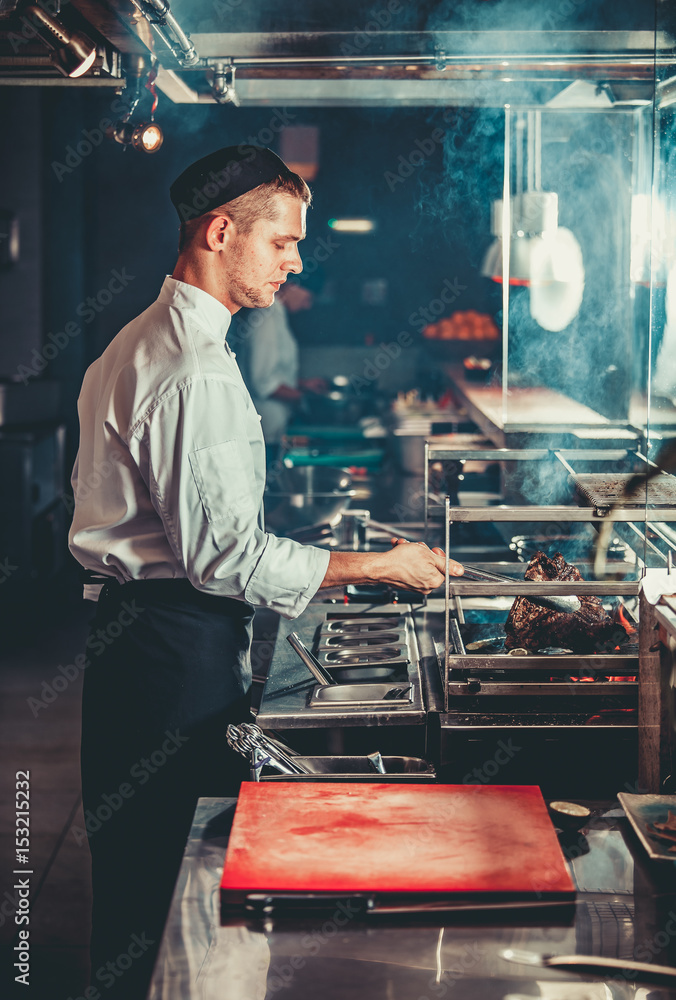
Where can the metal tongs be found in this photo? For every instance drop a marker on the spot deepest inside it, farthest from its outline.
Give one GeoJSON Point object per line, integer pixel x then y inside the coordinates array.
{"type": "Point", "coordinates": [250, 740]}
{"type": "Point", "coordinates": [568, 605]}
{"type": "Point", "coordinates": [321, 675]}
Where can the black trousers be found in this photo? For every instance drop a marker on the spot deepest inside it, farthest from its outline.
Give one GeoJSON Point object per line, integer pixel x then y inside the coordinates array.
{"type": "Point", "coordinates": [168, 670]}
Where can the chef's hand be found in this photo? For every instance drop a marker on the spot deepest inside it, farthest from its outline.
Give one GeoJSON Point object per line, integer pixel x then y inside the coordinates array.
{"type": "Point", "coordinates": [411, 566]}
{"type": "Point", "coordinates": [417, 567]}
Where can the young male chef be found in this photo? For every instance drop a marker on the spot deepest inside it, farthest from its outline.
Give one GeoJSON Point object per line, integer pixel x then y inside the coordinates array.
{"type": "Point", "coordinates": [174, 531]}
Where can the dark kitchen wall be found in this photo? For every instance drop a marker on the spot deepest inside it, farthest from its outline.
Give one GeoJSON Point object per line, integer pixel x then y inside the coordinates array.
{"type": "Point", "coordinates": [98, 232]}
{"type": "Point", "coordinates": [109, 232]}
{"type": "Point", "coordinates": [21, 193]}
{"type": "Point", "coordinates": [380, 163]}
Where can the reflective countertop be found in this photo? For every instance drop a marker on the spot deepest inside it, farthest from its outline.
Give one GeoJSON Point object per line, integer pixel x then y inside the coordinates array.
{"type": "Point", "coordinates": [626, 908]}
{"type": "Point", "coordinates": [289, 685]}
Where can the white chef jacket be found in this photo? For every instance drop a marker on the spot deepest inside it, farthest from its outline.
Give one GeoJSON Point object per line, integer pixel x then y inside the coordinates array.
{"type": "Point", "coordinates": [270, 360]}
{"type": "Point", "coordinates": [169, 477]}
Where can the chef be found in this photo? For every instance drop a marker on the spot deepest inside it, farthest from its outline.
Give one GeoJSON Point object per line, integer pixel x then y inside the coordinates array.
{"type": "Point", "coordinates": [168, 486]}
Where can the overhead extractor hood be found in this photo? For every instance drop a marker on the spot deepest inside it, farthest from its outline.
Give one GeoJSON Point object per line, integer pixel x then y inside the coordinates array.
{"type": "Point", "coordinates": [319, 54]}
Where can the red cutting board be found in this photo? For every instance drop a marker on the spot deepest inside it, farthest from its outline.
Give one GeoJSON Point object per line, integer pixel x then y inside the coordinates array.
{"type": "Point", "coordinates": [394, 839]}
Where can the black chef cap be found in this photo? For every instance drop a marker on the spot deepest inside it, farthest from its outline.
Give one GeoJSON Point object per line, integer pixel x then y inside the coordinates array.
{"type": "Point", "coordinates": [222, 176]}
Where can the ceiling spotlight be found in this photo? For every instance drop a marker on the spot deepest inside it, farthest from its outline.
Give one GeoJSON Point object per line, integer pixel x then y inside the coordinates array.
{"type": "Point", "coordinates": [147, 136]}
{"type": "Point", "coordinates": [73, 53]}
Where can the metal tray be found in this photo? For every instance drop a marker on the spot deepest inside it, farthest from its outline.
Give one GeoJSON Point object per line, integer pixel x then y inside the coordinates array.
{"type": "Point", "coordinates": [368, 673]}
{"type": "Point", "coordinates": [642, 811]}
{"type": "Point", "coordinates": [602, 491]}
{"type": "Point", "coordinates": [360, 695]}
{"type": "Point", "coordinates": [335, 768]}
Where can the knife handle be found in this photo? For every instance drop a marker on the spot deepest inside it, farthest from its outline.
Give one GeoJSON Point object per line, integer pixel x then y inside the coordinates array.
{"type": "Point", "coordinates": [601, 966]}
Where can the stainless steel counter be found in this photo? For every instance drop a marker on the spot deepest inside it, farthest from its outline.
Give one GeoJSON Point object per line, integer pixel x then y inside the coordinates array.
{"type": "Point", "coordinates": [285, 701]}
{"type": "Point", "coordinates": [626, 908]}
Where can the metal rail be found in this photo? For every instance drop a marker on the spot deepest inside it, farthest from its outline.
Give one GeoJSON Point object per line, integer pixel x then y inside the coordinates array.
{"type": "Point", "coordinates": [508, 512]}
{"type": "Point", "coordinates": [613, 688]}
{"type": "Point", "coordinates": [442, 453]}
{"type": "Point", "coordinates": [550, 588]}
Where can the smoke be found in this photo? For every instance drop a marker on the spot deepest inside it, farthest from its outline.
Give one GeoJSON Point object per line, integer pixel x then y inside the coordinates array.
{"type": "Point", "coordinates": [457, 199]}
{"type": "Point", "coordinates": [586, 160]}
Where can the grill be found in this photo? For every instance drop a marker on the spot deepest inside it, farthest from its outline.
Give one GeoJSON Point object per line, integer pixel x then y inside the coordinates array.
{"type": "Point", "coordinates": [602, 492]}
{"type": "Point", "coordinates": [577, 697]}
{"type": "Point", "coordinates": [484, 667]}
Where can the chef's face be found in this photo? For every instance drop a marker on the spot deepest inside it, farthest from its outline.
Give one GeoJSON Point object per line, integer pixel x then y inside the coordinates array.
{"type": "Point", "coordinates": [258, 262]}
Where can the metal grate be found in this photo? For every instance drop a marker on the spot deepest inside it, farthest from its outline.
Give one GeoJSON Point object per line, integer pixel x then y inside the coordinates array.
{"type": "Point", "coordinates": [596, 490]}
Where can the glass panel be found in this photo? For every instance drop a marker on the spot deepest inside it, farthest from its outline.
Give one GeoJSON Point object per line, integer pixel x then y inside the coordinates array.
{"type": "Point", "coordinates": [661, 354]}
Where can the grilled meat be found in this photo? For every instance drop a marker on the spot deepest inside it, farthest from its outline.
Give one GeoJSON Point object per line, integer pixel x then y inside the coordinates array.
{"type": "Point", "coordinates": [532, 626]}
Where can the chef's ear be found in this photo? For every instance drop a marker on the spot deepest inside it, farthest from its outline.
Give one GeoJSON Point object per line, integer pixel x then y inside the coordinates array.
{"type": "Point", "coordinates": [219, 232]}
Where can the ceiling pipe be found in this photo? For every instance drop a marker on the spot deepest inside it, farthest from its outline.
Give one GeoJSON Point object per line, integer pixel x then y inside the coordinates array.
{"type": "Point", "coordinates": [158, 14]}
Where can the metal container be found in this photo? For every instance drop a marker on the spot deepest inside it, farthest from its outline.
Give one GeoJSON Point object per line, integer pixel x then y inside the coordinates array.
{"type": "Point", "coordinates": [333, 768]}
{"type": "Point", "coordinates": [305, 495]}
{"type": "Point", "coordinates": [367, 696]}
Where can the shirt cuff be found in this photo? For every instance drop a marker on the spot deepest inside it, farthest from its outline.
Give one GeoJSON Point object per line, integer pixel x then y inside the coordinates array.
{"type": "Point", "coordinates": [287, 576]}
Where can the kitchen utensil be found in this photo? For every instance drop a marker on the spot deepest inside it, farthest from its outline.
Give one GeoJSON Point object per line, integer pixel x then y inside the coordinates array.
{"type": "Point", "coordinates": [566, 605]}
{"type": "Point", "coordinates": [397, 692]}
{"type": "Point", "coordinates": [569, 815]}
{"type": "Point", "coordinates": [596, 965]}
{"type": "Point", "coordinates": [397, 770]}
{"type": "Point", "coordinates": [364, 673]}
{"type": "Point", "coordinates": [248, 738]}
{"type": "Point", "coordinates": [311, 662]}
{"type": "Point", "coordinates": [367, 696]}
{"type": "Point", "coordinates": [376, 762]}
{"type": "Point", "coordinates": [305, 495]}
{"type": "Point", "coordinates": [644, 810]}
{"type": "Point", "coordinates": [456, 638]}
{"type": "Point", "coordinates": [286, 844]}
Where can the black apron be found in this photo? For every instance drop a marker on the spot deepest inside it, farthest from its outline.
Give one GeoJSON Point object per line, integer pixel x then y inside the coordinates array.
{"type": "Point", "coordinates": [168, 670]}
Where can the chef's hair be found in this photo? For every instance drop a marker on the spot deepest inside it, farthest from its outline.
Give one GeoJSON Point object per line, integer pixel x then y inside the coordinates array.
{"type": "Point", "coordinates": [250, 206]}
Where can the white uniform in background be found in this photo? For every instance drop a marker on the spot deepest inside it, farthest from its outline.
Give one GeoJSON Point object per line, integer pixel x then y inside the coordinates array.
{"type": "Point", "coordinates": [269, 356]}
